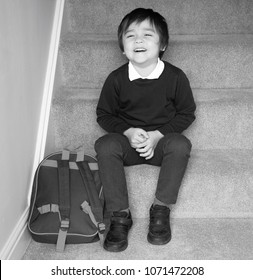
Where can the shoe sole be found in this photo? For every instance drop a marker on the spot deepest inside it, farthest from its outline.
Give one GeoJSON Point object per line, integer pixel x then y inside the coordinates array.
{"type": "Point", "coordinates": [115, 249]}
{"type": "Point", "coordinates": [157, 242]}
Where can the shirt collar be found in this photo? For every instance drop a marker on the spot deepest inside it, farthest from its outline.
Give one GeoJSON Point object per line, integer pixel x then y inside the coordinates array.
{"type": "Point", "coordinates": [156, 73]}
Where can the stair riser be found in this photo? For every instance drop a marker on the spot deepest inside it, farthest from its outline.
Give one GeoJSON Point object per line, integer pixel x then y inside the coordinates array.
{"type": "Point", "coordinates": [208, 63]}
{"type": "Point", "coordinates": [183, 17]}
{"type": "Point", "coordinates": [218, 125]}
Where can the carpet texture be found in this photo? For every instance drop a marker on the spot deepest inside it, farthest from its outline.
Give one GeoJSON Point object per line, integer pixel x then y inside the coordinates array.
{"type": "Point", "coordinates": [212, 42]}
{"type": "Point", "coordinates": [192, 239]}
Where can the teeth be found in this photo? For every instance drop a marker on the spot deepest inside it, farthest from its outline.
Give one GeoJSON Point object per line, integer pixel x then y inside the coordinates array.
{"type": "Point", "coordinates": [140, 50]}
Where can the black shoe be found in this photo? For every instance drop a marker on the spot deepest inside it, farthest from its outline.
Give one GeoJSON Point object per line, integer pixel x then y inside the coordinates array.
{"type": "Point", "coordinates": [159, 225]}
{"type": "Point", "coordinates": [116, 238]}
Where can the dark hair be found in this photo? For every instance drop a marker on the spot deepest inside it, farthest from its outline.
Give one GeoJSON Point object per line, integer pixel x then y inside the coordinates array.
{"type": "Point", "coordinates": [140, 14]}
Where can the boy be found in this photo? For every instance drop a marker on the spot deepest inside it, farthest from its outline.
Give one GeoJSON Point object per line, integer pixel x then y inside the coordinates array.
{"type": "Point", "coordinates": [144, 105]}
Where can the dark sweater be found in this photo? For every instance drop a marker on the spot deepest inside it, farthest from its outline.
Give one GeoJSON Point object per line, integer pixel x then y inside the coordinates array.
{"type": "Point", "coordinates": [165, 104]}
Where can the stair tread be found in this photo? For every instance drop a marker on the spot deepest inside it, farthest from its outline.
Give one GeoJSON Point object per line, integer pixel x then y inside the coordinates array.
{"type": "Point", "coordinates": [192, 239]}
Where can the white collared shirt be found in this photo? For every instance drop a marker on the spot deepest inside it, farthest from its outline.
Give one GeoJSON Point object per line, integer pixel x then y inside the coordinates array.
{"type": "Point", "coordinates": [156, 73]}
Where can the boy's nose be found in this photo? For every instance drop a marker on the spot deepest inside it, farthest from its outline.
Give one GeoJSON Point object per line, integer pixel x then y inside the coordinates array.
{"type": "Point", "coordinates": [138, 39]}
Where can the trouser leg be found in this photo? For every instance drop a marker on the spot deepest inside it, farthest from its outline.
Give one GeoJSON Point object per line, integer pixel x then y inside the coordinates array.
{"type": "Point", "coordinates": [172, 153]}
{"type": "Point", "coordinates": [113, 152]}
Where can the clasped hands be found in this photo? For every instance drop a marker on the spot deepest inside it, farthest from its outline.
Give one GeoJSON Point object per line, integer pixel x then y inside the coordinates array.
{"type": "Point", "coordinates": [144, 142]}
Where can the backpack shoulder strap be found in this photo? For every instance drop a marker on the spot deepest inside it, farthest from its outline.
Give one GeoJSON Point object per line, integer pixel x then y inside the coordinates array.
{"type": "Point", "coordinates": [64, 199]}
{"type": "Point", "coordinates": [94, 209]}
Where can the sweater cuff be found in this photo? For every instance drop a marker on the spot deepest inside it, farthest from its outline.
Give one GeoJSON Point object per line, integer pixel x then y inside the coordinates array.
{"type": "Point", "coordinates": [121, 128]}
{"type": "Point", "coordinates": [165, 130]}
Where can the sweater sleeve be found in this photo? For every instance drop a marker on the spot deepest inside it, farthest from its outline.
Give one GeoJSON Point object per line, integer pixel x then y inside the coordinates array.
{"type": "Point", "coordinates": [108, 107]}
{"type": "Point", "coordinates": [184, 105]}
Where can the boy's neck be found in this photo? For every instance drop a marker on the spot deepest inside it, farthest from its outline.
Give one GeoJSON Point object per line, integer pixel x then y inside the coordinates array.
{"type": "Point", "coordinates": [145, 70]}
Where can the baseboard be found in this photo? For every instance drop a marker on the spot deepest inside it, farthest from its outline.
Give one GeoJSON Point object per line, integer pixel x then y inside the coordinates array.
{"type": "Point", "coordinates": [18, 241]}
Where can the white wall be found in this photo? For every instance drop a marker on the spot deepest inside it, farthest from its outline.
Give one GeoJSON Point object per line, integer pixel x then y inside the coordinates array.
{"type": "Point", "coordinates": [25, 31]}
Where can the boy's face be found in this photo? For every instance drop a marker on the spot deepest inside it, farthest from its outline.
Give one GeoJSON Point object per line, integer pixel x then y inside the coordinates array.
{"type": "Point", "coordinates": [141, 44]}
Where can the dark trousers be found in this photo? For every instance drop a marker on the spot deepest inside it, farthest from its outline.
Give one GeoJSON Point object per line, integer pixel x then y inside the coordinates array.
{"type": "Point", "coordinates": [114, 152]}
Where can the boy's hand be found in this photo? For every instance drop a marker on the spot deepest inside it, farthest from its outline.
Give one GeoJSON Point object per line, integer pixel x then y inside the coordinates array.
{"type": "Point", "coordinates": [146, 148]}
{"type": "Point", "coordinates": [136, 136]}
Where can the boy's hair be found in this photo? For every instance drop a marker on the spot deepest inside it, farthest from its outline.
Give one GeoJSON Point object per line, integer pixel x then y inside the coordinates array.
{"type": "Point", "coordinates": [139, 15]}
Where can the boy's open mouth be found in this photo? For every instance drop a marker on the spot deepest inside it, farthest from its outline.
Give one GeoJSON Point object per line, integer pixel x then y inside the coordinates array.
{"type": "Point", "coordinates": [140, 50]}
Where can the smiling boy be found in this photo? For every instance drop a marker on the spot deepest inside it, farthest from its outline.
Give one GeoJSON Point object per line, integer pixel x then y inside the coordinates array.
{"type": "Point", "coordinates": [144, 106]}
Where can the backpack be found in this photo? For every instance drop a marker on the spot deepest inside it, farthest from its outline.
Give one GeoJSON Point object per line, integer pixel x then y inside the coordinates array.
{"type": "Point", "coordinates": [67, 200]}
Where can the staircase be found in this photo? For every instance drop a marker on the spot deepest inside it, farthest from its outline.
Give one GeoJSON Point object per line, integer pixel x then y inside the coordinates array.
{"type": "Point", "coordinates": [212, 41]}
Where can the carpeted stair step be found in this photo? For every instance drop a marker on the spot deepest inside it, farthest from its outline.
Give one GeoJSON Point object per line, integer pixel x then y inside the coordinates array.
{"type": "Point", "coordinates": [221, 61]}
{"type": "Point", "coordinates": [224, 119]}
{"type": "Point", "coordinates": [192, 239]}
{"type": "Point", "coordinates": [183, 16]}
{"type": "Point", "coordinates": [217, 184]}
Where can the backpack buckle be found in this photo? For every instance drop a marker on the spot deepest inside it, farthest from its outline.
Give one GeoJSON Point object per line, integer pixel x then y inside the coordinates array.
{"type": "Point", "coordinates": [64, 224]}
{"type": "Point", "coordinates": [101, 228]}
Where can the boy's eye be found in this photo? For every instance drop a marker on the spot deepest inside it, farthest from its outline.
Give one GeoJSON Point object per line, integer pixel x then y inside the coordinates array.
{"type": "Point", "coordinates": [148, 34]}
{"type": "Point", "coordinates": [129, 35]}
